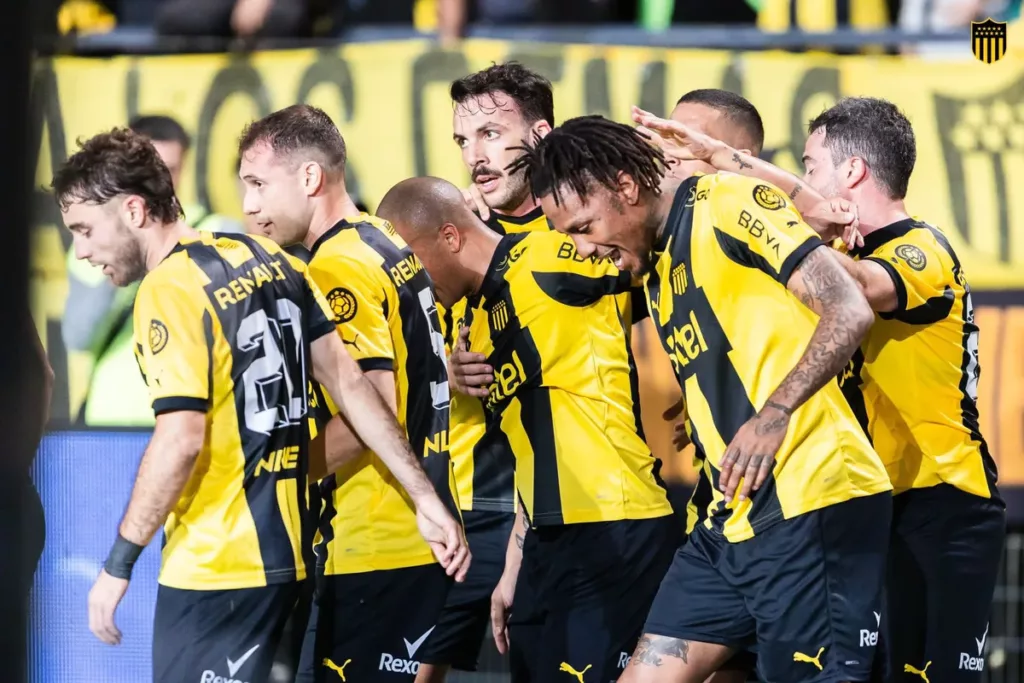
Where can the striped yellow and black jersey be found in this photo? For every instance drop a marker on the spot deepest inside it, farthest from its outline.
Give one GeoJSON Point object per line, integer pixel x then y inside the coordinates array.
{"type": "Point", "coordinates": [914, 382]}
{"type": "Point", "coordinates": [224, 325]}
{"type": "Point", "coordinates": [564, 388]}
{"type": "Point", "coordinates": [733, 331]}
{"type": "Point", "coordinates": [383, 305]}
{"type": "Point", "coordinates": [483, 461]}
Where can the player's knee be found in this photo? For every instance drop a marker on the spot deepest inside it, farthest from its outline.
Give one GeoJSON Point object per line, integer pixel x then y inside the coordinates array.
{"type": "Point", "coordinates": [431, 673]}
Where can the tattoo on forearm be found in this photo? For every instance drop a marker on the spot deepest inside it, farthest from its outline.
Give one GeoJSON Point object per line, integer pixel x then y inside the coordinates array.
{"type": "Point", "coordinates": [778, 406]}
{"type": "Point", "coordinates": [739, 161]}
{"type": "Point", "coordinates": [796, 191]}
{"type": "Point", "coordinates": [520, 539]}
{"type": "Point", "coordinates": [651, 649]}
{"type": "Point", "coordinates": [837, 335]}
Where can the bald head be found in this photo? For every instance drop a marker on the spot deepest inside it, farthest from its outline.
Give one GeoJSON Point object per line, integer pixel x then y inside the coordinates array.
{"type": "Point", "coordinates": [419, 207]}
{"type": "Point", "coordinates": [450, 241]}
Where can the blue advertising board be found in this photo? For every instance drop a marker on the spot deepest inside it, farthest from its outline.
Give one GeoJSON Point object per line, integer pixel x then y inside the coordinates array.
{"type": "Point", "coordinates": [84, 480]}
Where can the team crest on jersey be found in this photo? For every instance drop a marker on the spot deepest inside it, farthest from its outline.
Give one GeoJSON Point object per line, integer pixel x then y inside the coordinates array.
{"type": "Point", "coordinates": [914, 257]}
{"type": "Point", "coordinates": [767, 198]}
{"type": "Point", "coordinates": [499, 316]}
{"type": "Point", "coordinates": [343, 304]}
{"type": "Point", "coordinates": [157, 336]}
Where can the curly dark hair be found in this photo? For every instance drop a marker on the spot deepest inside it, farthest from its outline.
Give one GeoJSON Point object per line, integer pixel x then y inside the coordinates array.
{"type": "Point", "coordinates": [876, 131]}
{"type": "Point", "coordinates": [528, 89]}
{"type": "Point", "coordinates": [116, 163]}
{"type": "Point", "coordinates": [587, 150]}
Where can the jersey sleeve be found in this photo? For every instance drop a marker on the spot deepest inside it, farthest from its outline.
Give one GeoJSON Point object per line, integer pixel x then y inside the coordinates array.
{"type": "Point", "coordinates": [174, 345]}
{"type": "Point", "coordinates": [317, 314]}
{"type": "Point", "coordinates": [357, 298]}
{"type": "Point", "coordinates": [919, 270]}
{"type": "Point", "coordinates": [757, 226]}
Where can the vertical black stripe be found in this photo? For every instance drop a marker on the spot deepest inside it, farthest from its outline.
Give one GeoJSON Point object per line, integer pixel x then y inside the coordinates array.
{"type": "Point", "coordinates": [260, 482]}
{"type": "Point", "coordinates": [540, 429]}
{"type": "Point", "coordinates": [426, 373]}
{"type": "Point", "coordinates": [968, 407]}
{"type": "Point", "coordinates": [851, 384]}
{"type": "Point", "coordinates": [844, 12]}
{"type": "Point", "coordinates": [494, 463]}
{"type": "Point", "coordinates": [693, 319]}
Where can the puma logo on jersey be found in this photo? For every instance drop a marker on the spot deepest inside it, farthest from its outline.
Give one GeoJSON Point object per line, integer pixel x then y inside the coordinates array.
{"type": "Point", "coordinates": [578, 674]}
{"type": "Point", "coordinates": [815, 660]}
{"type": "Point", "coordinates": [340, 670]}
{"type": "Point", "coordinates": [907, 668]}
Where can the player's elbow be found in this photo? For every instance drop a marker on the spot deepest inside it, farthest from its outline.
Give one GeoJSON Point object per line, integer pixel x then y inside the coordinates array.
{"type": "Point", "coordinates": [860, 315]}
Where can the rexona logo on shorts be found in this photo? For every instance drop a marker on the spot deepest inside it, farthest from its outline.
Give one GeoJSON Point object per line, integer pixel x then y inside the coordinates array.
{"type": "Point", "coordinates": [398, 665]}
{"type": "Point", "coordinates": [210, 676]}
{"type": "Point", "coordinates": [969, 662]}
{"type": "Point", "coordinates": [870, 638]}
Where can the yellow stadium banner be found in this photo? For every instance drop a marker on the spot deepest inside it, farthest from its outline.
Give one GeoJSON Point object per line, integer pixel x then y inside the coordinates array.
{"type": "Point", "coordinates": [390, 101]}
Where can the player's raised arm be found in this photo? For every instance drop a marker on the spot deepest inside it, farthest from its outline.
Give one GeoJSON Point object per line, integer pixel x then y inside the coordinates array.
{"type": "Point", "coordinates": [831, 219]}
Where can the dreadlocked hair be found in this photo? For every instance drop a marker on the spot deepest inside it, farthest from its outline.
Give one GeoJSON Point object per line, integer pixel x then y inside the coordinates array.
{"type": "Point", "coordinates": [585, 150]}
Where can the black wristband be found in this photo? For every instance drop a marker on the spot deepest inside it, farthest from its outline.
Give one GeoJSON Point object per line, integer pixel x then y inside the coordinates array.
{"type": "Point", "coordinates": [122, 558]}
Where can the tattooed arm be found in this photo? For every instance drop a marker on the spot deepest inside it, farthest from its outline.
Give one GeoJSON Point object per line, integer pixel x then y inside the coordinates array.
{"type": "Point", "coordinates": [844, 316]}
{"type": "Point", "coordinates": [874, 280]}
{"type": "Point", "coordinates": [501, 598]}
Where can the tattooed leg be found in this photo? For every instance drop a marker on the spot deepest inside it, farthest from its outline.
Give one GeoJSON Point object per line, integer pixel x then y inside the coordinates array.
{"type": "Point", "coordinates": [660, 659]}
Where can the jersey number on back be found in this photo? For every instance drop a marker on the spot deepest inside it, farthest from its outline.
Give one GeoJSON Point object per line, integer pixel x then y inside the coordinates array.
{"type": "Point", "coordinates": [438, 390]}
{"type": "Point", "coordinates": [275, 385]}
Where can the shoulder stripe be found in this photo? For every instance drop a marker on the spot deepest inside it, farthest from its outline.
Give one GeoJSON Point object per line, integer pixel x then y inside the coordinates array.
{"type": "Point", "coordinates": [897, 281]}
{"type": "Point", "coordinates": [573, 289]}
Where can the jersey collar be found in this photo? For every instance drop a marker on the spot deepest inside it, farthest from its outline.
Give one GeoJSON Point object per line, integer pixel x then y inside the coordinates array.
{"type": "Point", "coordinates": [334, 230]}
{"type": "Point", "coordinates": [495, 221]}
{"type": "Point", "coordinates": [675, 214]}
{"type": "Point", "coordinates": [494, 278]}
{"type": "Point", "coordinates": [882, 236]}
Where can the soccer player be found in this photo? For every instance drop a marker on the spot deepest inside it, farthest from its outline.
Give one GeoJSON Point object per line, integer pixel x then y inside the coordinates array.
{"type": "Point", "coordinates": [494, 110]}
{"type": "Point", "coordinates": [757, 319]}
{"type": "Point", "coordinates": [948, 517]}
{"type": "Point", "coordinates": [382, 588]}
{"type": "Point", "coordinates": [228, 329]}
{"type": "Point", "coordinates": [602, 532]}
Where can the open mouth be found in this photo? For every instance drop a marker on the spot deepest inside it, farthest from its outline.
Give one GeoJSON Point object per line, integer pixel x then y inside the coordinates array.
{"type": "Point", "coordinates": [487, 183]}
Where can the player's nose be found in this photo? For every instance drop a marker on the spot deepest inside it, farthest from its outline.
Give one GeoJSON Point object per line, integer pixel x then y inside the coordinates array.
{"type": "Point", "coordinates": [584, 248]}
{"type": "Point", "coordinates": [82, 250]}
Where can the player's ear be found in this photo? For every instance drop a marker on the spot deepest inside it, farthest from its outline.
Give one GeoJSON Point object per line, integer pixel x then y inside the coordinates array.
{"type": "Point", "coordinates": [854, 172]}
{"type": "Point", "coordinates": [629, 191]}
{"type": "Point", "coordinates": [539, 130]}
{"type": "Point", "coordinates": [133, 211]}
{"type": "Point", "coordinates": [312, 177]}
{"type": "Point", "coordinates": [451, 237]}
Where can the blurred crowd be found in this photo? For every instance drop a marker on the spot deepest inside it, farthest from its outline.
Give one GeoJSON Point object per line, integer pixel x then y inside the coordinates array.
{"type": "Point", "coordinates": [450, 18]}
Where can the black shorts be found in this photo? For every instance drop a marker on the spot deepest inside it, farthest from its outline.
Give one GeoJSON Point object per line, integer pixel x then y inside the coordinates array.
{"type": "Point", "coordinates": [219, 635]}
{"type": "Point", "coordinates": [807, 592]}
{"type": "Point", "coordinates": [370, 626]}
{"type": "Point", "coordinates": [463, 623]}
{"type": "Point", "coordinates": [943, 564]}
{"type": "Point", "coordinates": [582, 595]}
